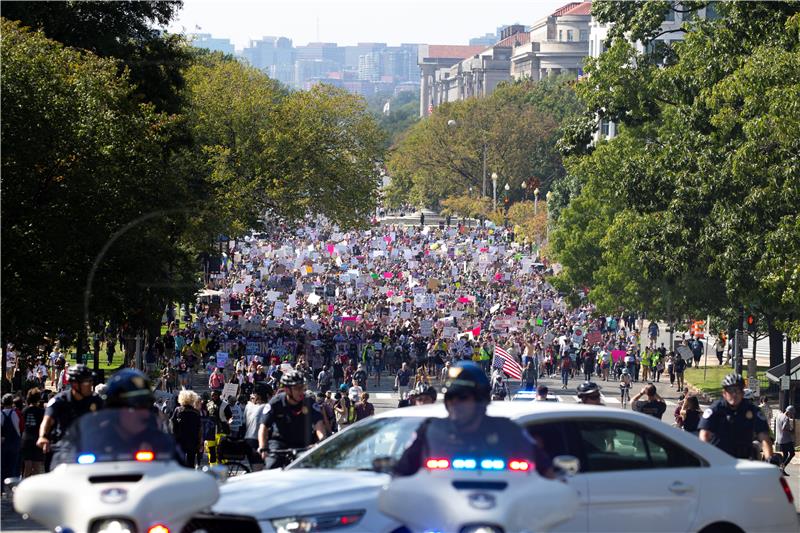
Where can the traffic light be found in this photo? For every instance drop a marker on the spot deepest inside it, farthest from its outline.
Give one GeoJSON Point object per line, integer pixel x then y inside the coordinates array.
{"type": "Point", "coordinates": [751, 323]}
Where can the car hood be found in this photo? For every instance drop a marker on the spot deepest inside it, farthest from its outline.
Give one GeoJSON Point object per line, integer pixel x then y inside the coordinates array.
{"type": "Point", "coordinates": [279, 493]}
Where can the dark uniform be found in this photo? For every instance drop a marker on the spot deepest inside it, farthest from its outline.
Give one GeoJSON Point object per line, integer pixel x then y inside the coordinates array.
{"type": "Point", "coordinates": [734, 429]}
{"type": "Point", "coordinates": [494, 438]}
{"type": "Point", "coordinates": [64, 409]}
{"type": "Point", "coordinates": [290, 426]}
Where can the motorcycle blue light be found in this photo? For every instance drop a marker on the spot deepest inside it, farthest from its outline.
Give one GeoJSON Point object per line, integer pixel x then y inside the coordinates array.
{"type": "Point", "coordinates": [465, 464]}
{"type": "Point", "coordinates": [86, 458]}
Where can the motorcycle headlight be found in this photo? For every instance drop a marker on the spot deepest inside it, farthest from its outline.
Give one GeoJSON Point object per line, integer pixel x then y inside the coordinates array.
{"type": "Point", "coordinates": [317, 522]}
{"type": "Point", "coordinates": [113, 525]}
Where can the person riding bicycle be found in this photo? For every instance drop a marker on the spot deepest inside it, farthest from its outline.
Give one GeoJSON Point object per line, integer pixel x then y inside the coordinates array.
{"type": "Point", "coordinates": [589, 393]}
{"type": "Point", "coordinates": [291, 421]}
{"type": "Point", "coordinates": [467, 430]}
{"type": "Point", "coordinates": [625, 386]}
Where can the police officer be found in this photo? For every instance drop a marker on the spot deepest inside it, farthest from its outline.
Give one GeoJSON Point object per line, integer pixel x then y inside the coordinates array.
{"type": "Point", "coordinates": [129, 422]}
{"type": "Point", "coordinates": [589, 393]}
{"type": "Point", "coordinates": [468, 431]}
{"type": "Point", "coordinates": [731, 422]}
{"type": "Point", "coordinates": [291, 421]}
{"type": "Point", "coordinates": [65, 407]}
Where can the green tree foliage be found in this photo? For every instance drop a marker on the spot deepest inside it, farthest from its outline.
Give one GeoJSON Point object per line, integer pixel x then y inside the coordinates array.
{"type": "Point", "coordinates": [518, 126]}
{"type": "Point", "coordinates": [264, 150]}
{"type": "Point", "coordinates": [403, 113]}
{"type": "Point", "coordinates": [693, 206]}
{"type": "Point", "coordinates": [125, 30]}
{"type": "Point", "coordinates": [80, 160]}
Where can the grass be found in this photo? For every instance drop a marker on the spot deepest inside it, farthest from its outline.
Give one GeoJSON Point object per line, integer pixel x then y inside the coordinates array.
{"type": "Point", "coordinates": [116, 362]}
{"type": "Point", "coordinates": [712, 384]}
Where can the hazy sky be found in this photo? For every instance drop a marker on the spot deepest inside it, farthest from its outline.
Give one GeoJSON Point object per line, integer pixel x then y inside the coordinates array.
{"type": "Point", "coordinates": [351, 21]}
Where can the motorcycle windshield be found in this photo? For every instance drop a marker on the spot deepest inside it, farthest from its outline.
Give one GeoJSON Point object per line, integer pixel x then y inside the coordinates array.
{"type": "Point", "coordinates": [116, 435]}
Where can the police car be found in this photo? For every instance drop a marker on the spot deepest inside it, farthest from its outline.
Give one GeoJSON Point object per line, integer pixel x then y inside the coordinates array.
{"type": "Point", "coordinates": [635, 474]}
{"type": "Point", "coordinates": [530, 395]}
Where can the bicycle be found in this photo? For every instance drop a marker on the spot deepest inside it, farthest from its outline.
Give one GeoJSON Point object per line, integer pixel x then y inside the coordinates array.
{"type": "Point", "coordinates": [625, 393]}
{"type": "Point", "coordinates": [285, 456]}
{"type": "Point", "coordinates": [235, 455]}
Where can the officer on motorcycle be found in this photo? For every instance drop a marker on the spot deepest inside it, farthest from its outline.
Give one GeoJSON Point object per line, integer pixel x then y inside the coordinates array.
{"type": "Point", "coordinates": [589, 393]}
{"type": "Point", "coordinates": [291, 421]}
{"type": "Point", "coordinates": [468, 430]}
{"type": "Point", "coordinates": [132, 421]}
{"type": "Point", "coordinates": [66, 406]}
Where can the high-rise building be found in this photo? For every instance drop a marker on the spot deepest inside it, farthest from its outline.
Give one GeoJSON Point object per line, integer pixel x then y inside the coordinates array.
{"type": "Point", "coordinates": [273, 55]}
{"type": "Point", "coordinates": [205, 40]}
{"type": "Point", "coordinates": [486, 40]}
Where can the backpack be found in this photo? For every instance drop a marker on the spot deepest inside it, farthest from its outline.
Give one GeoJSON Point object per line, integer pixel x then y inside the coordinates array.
{"type": "Point", "coordinates": [8, 431]}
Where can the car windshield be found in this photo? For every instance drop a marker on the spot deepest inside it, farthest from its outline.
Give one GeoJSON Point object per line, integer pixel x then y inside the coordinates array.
{"type": "Point", "coordinates": [116, 435]}
{"type": "Point", "coordinates": [356, 448]}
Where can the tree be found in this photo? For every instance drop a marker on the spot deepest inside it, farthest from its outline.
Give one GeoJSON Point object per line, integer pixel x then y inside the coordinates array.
{"type": "Point", "coordinates": [125, 30]}
{"type": "Point", "coordinates": [80, 161]}
{"type": "Point", "coordinates": [703, 178]}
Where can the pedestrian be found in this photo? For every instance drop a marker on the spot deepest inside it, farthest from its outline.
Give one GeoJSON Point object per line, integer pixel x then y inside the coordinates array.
{"type": "Point", "coordinates": [402, 380]}
{"type": "Point", "coordinates": [364, 408]}
{"type": "Point", "coordinates": [566, 368]}
{"type": "Point", "coordinates": [32, 415]}
{"type": "Point", "coordinates": [690, 414]}
{"type": "Point", "coordinates": [529, 376]}
{"type": "Point", "coordinates": [784, 436]}
{"type": "Point", "coordinates": [187, 427]}
{"type": "Point", "coordinates": [11, 439]}
{"type": "Point", "coordinates": [654, 405]}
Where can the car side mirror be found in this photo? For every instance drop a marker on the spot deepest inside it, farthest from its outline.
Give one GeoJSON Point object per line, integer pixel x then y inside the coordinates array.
{"type": "Point", "coordinates": [383, 465]}
{"type": "Point", "coordinates": [569, 465]}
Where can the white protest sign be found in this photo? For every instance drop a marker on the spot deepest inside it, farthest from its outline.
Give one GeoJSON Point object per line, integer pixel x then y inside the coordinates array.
{"type": "Point", "coordinates": [426, 328]}
{"type": "Point", "coordinates": [313, 299]}
{"type": "Point", "coordinates": [279, 309]}
{"type": "Point", "coordinates": [272, 296]}
{"type": "Point", "coordinates": [230, 389]}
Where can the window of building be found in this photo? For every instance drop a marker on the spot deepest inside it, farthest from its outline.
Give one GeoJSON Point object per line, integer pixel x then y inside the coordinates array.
{"type": "Point", "coordinates": [584, 35]}
{"type": "Point", "coordinates": [560, 35]}
{"type": "Point", "coordinates": [670, 15]}
{"type": "Point", "coordinates": [570, 35]}
{"type": "Point", "coordinates": [604, 128]}
{"type": "Point", "coordinates": [591, 48]}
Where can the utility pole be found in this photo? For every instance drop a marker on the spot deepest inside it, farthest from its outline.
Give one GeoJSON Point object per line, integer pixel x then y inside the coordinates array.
{"type": "Point", "coordinates": [737, 341]}
{"type": "Point", "coordinates": [484, 169]}
{"type": "Point", "coordinates": [786, 395]}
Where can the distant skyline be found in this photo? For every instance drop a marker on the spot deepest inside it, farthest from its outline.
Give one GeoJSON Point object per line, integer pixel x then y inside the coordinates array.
{"type": "Point", "coordinates": [353, 21]}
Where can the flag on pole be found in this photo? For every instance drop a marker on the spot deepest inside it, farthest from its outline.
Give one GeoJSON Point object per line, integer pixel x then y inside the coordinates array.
{"type": "Point", "coordinates": [430, 108]}
{"type": "Point", "coordinates": [504, 361]}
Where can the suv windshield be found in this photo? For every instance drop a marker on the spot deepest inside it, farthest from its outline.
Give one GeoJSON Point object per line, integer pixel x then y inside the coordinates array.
{"type": "Point", "coordinates": [356, 448]}
{"type": "Point", "coordinates": [116, 435]}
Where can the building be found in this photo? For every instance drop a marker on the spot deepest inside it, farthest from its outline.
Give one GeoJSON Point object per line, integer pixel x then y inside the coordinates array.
{"type": "Point", "coordinates": [311, 70]}
{"type": "Point", "coordinates": [432, 58]}
{"type": "Point", "coordinates": [273, 55]}
{"type": "Point", "coordinates": [487, 40]}
{"type": "Point", "coordinates": [204, 40]}
{"type": "Point", "coordinates": [557, 44]}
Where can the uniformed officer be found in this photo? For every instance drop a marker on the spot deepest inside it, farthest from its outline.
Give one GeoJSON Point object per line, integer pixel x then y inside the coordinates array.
{"type": "Point", "coordinates": [468, 431]}
{"type": "Point", "coordinates": [128, 422]}
{"type": "Point", "coordinates": [65, 407]}
{"type": "Point", "coordinates": [733, 422]}
{"type": "Point", "coordinates": [291, 421]}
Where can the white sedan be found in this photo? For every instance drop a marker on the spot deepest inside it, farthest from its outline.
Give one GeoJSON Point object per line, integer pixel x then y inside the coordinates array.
{"type": "Point", "coordinates": [636, 474]}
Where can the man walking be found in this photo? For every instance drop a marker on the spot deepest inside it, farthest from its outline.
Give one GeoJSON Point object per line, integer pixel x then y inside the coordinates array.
{"type": "Point", "coordinates": [402, 379]}
{"type": "Point", "coordinates": [784, 436]}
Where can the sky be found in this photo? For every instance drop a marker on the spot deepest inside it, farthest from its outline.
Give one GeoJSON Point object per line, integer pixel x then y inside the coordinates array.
{"type": "Point", "coordinates": [352, 21]}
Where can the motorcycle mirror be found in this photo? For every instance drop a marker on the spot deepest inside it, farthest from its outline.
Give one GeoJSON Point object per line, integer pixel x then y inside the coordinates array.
{"type": "Point", "coordinates": [383, 465]}
{"type": "Point", "coordinates": [218, 472]}
{"type": "Point", "coordinates": [568, 464]}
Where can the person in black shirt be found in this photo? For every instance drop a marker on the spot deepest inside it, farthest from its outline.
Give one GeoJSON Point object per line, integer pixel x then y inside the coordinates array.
{"type": "Point", "coordinates": [291, 421]}
{"type": "Point", "coordinates": [32, 415]}
{"type": "Point", "coordinates": [62, 410]}
{"type": "Point", "coordinates": [732, 423]}
{"type": "Point", "coordinates": [468, 431]}
{"type": "Point", "coordinates": [187, 427]}
{"type": "Point", "coordinates": [653, 406]}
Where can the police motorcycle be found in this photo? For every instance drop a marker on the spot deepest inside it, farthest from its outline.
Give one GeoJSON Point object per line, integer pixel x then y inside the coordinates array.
{"type": "Point", "coordinates": [479, 488]}
{"type": "Point", "coordinates": [116, 471]}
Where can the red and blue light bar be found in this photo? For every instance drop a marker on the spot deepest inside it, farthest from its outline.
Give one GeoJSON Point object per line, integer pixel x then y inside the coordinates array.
{"type": "Point", "coordinates": [490, 464]}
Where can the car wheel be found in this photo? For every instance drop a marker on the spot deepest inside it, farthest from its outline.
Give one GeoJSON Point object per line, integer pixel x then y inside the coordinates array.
{"type": "Point", "coordinates": [721, 527]}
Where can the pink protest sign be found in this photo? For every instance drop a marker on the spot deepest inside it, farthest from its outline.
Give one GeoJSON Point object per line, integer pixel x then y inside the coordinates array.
{"type": "Point", "coordinates": [388, 275]}
{"type": "Point", "coordinates": [594, 337]}
{"type": "Point", "coordinates": [463, 300]}
{"type": "Point", "coordinates": [388, 239]}
{"type": "Point", "coordinates": [484, 250]}
{"type": "Point", "coordinates": [498, 276]}
{"type": "Point", "coordinates": [389, 294]}
{"type": "Point", "coordinates": [348, 319]}
{"type": "Point", "coordinates": [331, 248]}
{"type": "Point", "coordinates": [616, 355]}
{"type": "Point", "coordinates": [330, 308]}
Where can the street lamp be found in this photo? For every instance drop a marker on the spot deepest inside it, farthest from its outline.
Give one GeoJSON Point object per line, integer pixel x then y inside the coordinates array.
{"type": "Point", "coordinates": [548, 196]}
{"type": "Point", "coordinates": [535, 200]}
{"type": "Point", "coordinates": [525, 188]}
{"type": "Point", "coordinates": [494, 191]}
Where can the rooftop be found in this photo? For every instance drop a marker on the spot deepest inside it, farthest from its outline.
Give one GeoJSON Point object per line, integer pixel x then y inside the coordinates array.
{"type": "Point", "coordinates": [455, 51]}
{"type": "Point", "coordinates": [574, 8]}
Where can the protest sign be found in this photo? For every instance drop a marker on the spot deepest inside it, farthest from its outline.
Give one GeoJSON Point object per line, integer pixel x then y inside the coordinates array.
{"type": "Point", "coordinates": [222, 358]}
{"type": "Point", "coordinates": [426, 328]}
{"type": "Point", "coordinates": [617, 355]}
{"type": "Point", "coordinates": [230, 389]}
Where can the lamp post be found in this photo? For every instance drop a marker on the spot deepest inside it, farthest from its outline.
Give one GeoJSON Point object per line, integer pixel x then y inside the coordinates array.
{"type": "Point", "coordinates": [548, 196]}
{"type": "Point", "coordinates": [525, 189]}
{"type": "Point", "coordinates": [535, 200]}
{"type": "Point", "coordinates": [494, 191]}
{"type": "Point", "coordinates": [506, 199]}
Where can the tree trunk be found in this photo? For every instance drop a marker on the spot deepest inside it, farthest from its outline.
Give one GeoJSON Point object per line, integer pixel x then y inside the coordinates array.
{"type": "Point", "coordinates": [775, 343]}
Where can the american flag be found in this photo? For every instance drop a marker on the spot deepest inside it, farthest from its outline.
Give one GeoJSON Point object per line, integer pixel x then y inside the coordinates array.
{"type": "Point", "coordinates": [503, 361]}
{"type": "Point", "coordinates": [430, 108]}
